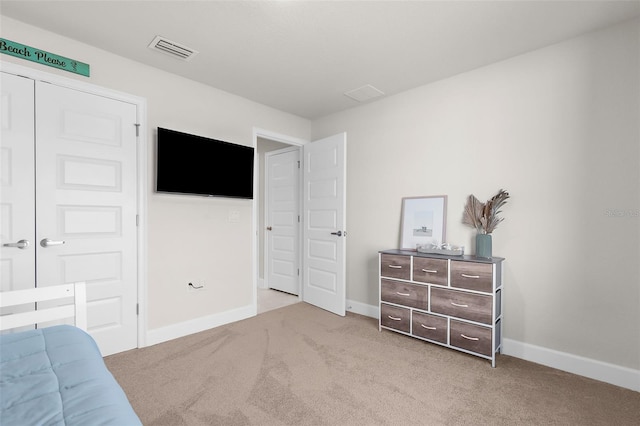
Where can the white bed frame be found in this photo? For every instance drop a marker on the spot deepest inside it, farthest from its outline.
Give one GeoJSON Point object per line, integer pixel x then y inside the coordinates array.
{"type": "Point", "coordinates": [41, 294]}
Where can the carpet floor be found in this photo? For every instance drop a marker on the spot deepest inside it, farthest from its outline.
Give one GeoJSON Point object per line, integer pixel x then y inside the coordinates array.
{"type": "Point", "coordinates": [300, 365]}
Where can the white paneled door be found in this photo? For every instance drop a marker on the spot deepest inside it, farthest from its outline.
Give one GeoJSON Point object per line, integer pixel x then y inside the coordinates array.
{"type": "Point", "coordinates": [17, 204]}
{"type": "Point", "coordinates": [283, 206]}
{"type": "Point", "coordinates": [86, 197]}
{"type": "Point", "coordinates": [324, 224]}
{"type": "Point", "coordinates": [85, 205]}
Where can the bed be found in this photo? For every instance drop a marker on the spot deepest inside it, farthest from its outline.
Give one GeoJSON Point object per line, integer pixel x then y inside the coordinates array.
{"type": "Point", "coordinates": [56, 375]}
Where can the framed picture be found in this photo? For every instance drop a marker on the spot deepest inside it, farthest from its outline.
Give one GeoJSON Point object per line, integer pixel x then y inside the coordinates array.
{"type": "Point", "coordinates": [423, 221]}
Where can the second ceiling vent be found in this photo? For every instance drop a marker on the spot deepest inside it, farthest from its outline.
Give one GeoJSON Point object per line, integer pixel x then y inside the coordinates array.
{"type": "Point", "coordinates": [172, 48]}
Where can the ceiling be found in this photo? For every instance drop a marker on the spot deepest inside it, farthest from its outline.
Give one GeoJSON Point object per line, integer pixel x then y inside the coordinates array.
{"type": "Point", "coordinates": [301, 56]}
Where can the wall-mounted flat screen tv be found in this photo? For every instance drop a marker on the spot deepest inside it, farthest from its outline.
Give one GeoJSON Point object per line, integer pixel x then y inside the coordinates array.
{"type": "Point", "coordinates": [190, 164]}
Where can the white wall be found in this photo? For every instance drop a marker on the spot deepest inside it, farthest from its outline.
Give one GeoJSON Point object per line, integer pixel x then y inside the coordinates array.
{"type": "Point", "coordinates": [559, 129]}
{"type": "Point", "coordinates": [190, 239]}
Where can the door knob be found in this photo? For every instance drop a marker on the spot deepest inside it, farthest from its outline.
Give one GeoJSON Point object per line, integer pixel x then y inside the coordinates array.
{"type": "Point", "coordinates": [269, 228]}
{"type": "Point", "coordinates": [46, 242]}
{"type": "Point", "coordinates": [22, 244]}
{"type": "Point", "coordinates": [339, 233]}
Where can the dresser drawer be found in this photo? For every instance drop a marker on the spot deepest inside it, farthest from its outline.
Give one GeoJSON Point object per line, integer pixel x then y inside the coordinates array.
{"type": "Point", "coordinates": [471, 337]}
{"type": "Point", "coordinates": [414, 295]}
{"type": "Point", "coordinates": [472, 275]}
{"type": "Point", "coordinates": [395, 317]}
{"type": "Point", "coordinates": [429, 326]}
{"type": "Point", "coordinates": [455, 303]}
{"type": "Point", "coordinates": [433, 271]}
{"type": "Point", "coordinates": [395, 266]}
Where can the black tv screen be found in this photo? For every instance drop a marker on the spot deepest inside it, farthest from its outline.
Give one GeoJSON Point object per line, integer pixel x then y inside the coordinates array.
{"type": "Point", "coordinates": [190, 164]}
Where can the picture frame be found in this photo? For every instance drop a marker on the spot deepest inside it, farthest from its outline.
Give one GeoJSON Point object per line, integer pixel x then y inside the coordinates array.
{"type": "Point", "coordinates": [423, 221]}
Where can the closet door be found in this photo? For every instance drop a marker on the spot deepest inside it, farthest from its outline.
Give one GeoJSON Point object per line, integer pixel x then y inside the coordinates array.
{"type": "Point", "coordinates": [17, 204]}
{"type": "Point", "coordinates": [86, 206]}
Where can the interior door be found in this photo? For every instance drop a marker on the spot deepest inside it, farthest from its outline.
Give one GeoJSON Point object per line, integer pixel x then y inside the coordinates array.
{"type": "Point", "coordinates": [324, 223]}
{"type": "Point", "coordinates": [17, 204]}
{"type": "Point", "coordinates": [283, 206]}
{"type": "Point", "coordinates": [86, 206]}
{"type": "Point", "coordinates": [17, 231]}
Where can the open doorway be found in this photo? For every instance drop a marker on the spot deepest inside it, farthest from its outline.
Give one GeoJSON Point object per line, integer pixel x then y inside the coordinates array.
{"type": "Point", "coordinates": [321, 222]}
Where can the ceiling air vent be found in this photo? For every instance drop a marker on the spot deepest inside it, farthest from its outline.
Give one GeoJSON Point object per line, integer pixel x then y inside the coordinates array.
{"type": "Point", "coordinates": [364, 93]}
{"type": "Point", "coordinates": [172, 48]}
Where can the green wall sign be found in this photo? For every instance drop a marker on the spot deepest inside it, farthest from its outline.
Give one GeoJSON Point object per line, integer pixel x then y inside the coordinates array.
{"type": "Point", "coordinates": [18, 50]}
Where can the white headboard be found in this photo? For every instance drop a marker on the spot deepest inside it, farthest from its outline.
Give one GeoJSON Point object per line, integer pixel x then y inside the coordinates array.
{"type": "Point", "coordinates": [20, 297]}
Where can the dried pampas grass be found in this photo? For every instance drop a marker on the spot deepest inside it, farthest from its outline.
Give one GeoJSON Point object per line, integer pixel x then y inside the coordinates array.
{"type": "Point", "coordinates": [484, 216]}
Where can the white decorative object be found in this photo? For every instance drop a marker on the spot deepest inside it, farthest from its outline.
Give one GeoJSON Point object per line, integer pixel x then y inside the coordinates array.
{"type": "Point", "coordinates": [447, 249]}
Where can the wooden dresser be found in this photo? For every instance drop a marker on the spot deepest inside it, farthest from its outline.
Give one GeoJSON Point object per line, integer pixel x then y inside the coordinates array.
{"type": "Point", "coordinates": [453, 301]}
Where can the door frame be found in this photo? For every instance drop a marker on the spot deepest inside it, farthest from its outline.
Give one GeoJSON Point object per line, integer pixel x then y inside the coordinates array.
{"type": "Point", "coordinates": [142, 180]}
{"type": "Point", "coordinates": [285, 139]}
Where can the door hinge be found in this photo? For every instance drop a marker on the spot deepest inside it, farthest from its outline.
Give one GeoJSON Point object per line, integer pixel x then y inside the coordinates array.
{"type": "Point", "coordinates": [137, 220]}
{"type": "Point", "coordinates": [137, 309]}
{"type": "Point", "coordinates": [298, 218]}
{"type": "Point", "coordinates": [298, 163]}
{"type": "Point", "coordinates": [137, 129]}
{"type": "Point", "coordinates": [298, 271]}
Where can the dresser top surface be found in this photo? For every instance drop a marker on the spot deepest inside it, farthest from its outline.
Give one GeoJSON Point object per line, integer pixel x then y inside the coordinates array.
{"type": "Point", "coordinates": [467, 258]}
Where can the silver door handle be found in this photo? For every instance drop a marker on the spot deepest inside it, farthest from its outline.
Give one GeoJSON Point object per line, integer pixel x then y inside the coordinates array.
{"type": "Point", "coordinates": [22, 244]}
{"type": "Point", "coordinates": [46, 242]}
{"type": "Point", "coordinates": [339, 233]}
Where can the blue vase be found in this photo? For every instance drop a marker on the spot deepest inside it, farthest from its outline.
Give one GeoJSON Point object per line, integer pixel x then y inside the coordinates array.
{"type": "Point", "coordinates": [483, 245]}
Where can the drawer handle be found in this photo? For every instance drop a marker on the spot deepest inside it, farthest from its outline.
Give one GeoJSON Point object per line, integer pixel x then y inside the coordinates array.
{"type": "Point", "coordinates": [403, 294]}
{"type": "Point", "coordinates": [427, 327]}
{"type": "Point", "coordinates": [459, 305]}
{"type": "Point", "coordinates": [394, 318]}
{"type": "Point", "coordinates": [430, 271]}
{"type": "Point", "coordinates": [470, 276]}
{"type": "Point", "coordinates": [395, 266]}
{"type": "Point", "coordinates": [469, 338]}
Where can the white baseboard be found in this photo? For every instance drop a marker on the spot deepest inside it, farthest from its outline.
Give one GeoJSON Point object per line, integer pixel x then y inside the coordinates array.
{"type": "Point", "coordinates": [372, 311]}
{"type": "Point", "coordinates": [593, 369]}
{"type": "Point", "coordinates": [164, 334]}
{"type": "Point", "coordinates": [197, 325]}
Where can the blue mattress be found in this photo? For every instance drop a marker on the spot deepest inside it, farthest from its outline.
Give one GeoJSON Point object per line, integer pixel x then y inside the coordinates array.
{"type": "Point", "coordinates": [56, 376]}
